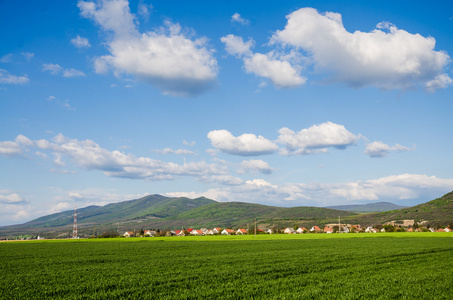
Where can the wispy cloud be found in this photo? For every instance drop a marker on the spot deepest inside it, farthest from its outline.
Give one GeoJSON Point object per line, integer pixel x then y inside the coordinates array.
{"type": "Point", "coordinates": [56, 69]}
{"type": "Point", "coordinates": [236, 18]}
{"type": "Point", "coordinates": [7, 78]}
{"type": "Point", "coordinates": [80, 42]}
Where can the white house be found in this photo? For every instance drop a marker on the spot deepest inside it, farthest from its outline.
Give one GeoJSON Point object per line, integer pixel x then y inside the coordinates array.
{"type": "Point", "coordinates": [227, 232]}
{"type": "Point", "coordinates": [315, 229]}
{"type": "Point", "coordinates": [301, 230]}
{"type": "Point", "coordinates": [149, 233]}
{"type": "Point", "coordinates": [196, 232]}
{"type": "Point", "coordinates": [216, 230]}
{"type": "Point", "coordinates": [289, 230]}
{"type": "Point", "coordinates": [370, 229]}
{"type": "Point", "coordinates": [241, 231]}
{"type": "Point", "coordinates": [128, 234]}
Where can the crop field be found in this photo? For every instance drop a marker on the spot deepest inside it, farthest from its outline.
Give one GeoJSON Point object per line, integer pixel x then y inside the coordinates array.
{"type": "Point", "coordinates": [349, 266]}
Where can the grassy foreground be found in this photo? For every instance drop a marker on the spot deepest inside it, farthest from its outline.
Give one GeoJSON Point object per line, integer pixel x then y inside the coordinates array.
{"type": "Point", "coordinates": [348, 266]}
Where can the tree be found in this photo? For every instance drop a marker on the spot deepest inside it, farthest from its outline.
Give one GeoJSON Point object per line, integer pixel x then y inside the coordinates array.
{"type": "Point", "coordinates": [110, 233]}
{"type": "Point", "coordinates": [389, 228]}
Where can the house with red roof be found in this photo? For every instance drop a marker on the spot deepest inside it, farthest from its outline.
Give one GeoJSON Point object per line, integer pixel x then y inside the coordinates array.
{"type": "Point", "coordinates": [328, 229]}
{"type": "Point", "coordinates": [217, 230]}
{"type": "Point", "coordinates": [196, 232]}
{"type": "Point", "coordinates": [227, 231]}
{"type": "Point", "coordinates": [315, 229]}
{"type": "Point", "coordinates": [128, 234]}
{"type": "Point", "coordinates": [301, 230]}
{"type": "Point", "coordinates": [241, 231]}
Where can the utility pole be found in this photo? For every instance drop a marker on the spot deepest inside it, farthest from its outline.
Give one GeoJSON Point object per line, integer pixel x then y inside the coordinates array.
{"type": "Point", "coordinates": [339, 225]}
{"type": "Point", "coordinates": [74, 227]}
{"type": "Point", "coordinates": [94, 231]}
{"type": "Point", "coordinates": [255, 227]}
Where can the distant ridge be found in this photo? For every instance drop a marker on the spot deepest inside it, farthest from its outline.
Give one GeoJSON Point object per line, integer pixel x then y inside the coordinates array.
{"type": "Point", "coordinates": [160, 212]}
{"type": "Point", "coordinates": [367, 208]}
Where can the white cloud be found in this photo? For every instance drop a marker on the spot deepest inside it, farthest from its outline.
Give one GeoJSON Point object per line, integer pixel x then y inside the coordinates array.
{"type": "Point", "coordinates": [13, 207]}
{"type": "Point", "coordinates": [56, 69]}
{"type": "Point", "coordinates": [387, 57]}
{"type": "Point", "coordinates": [177, 151]}
{"type": "Point", "coordinates": [28, 55]}
{"type": "Point", "coordinates": [89, 155]}
{"type": "Point", "coordinates": [6, 78]}
{"type": "Point", "coordinates": [235, 45]}
{"type": "Point", "coordinates": [13, 198]}
{"type": "Point", "coordinates": [65, 104]}
{"type": "Point", "coordinates": [441, 81]}
{"type": "Point", "coordinates": [254, 166]}
{"type": "Point", "coordinates": [379, 149]}
{"type": "Point", "coordinates": [282, 70]}
{"type": "Point", "coordinates": [73, 73]}
{"type": "Point", "coordinates": [144, 10]}
{"type": "Point", "coordinates": [245, 145]}
{"type": "Point", "coordinates": [165, 58]}
{"type": "Point", "coordinates": [316, 139]}
{"type": "Point", "coordinates": [393, 188]}
{"type": "Point", "coordinates": [6, 58]}
{"type": "Point", "coordinates": [190, 144]}
{"type": "Point", "coordinates": [80, 42]}
{"type": "Point", "coordinates": [14, 148]}
{"type": "Point", "coordinates": [238, 19]}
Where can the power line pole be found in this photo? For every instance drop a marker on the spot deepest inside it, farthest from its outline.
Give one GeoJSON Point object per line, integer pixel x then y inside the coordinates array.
{"type": "Point", "coordinates": [255, 227]}
{"type": "Point", "coordinates": [74, 227]}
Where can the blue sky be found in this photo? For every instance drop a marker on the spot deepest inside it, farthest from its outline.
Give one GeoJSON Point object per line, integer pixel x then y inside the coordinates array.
{"type": "Point", "coordinates": [287, 104]}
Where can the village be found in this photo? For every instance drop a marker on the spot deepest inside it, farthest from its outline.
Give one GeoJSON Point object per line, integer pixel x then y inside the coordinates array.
{"type": "Point", "coordinates": [289, 230]}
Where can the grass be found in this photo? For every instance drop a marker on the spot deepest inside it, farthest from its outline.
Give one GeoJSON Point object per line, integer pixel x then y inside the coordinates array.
{"type": "Point", "coordinates": [319, 266]}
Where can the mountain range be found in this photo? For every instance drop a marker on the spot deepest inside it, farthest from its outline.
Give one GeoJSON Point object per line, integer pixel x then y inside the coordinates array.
{"type": "Point", "coordinates": [368, 208]}
{"type": "Point", "coordinates": [159, 212]}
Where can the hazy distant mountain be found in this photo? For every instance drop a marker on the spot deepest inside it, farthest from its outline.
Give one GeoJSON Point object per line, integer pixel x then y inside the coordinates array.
{"type": "Point", "coordinates": [366, 208]}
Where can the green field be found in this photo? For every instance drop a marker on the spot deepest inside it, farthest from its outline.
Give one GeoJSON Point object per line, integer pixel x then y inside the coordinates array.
{"type": "Point", "coordinates": [344, 266]}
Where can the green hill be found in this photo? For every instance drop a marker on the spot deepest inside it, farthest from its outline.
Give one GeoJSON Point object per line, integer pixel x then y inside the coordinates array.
{"type": "Point", "coordinates": [149, 207]}
{"type": "Point", "coordinates": [368, 208]}
{"type": "Point", "coordinates": [438, 211]}
{"type": "Point", "coordinates": [159, 212]}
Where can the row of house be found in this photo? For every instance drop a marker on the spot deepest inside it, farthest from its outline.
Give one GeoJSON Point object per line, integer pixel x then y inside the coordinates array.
{"type": "Point", "coordinates": [288, 230]}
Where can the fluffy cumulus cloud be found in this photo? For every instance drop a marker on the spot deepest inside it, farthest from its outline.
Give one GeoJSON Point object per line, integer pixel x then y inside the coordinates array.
{"type": "Point", "coordinates": [7, 78]}
{"type": "Point", "coordinates": [167, 58]}
{"type": "Point", "coordinates": [89, 155]}
{"type": "Point", "coordinates": [379, 149]}
{"type": "Point", "coordinates": [246, 144]}
{"type": "Point", "coordinates": [13, 207]}
{"type": "Point", "coordinates": [80, 42]}
{"type": "Point", "coordinates": [387, 57]}
{"type": "Point", "coordinates": [254, 166]}
{"type": "Point", "coordinates": [280, 69]}
{"type": "Point", "coordinates": [14, 148]}
{"type": "Point", "coordinates": [316, 139]}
